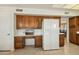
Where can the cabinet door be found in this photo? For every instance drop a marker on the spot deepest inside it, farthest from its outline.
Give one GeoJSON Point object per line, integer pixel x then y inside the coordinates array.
{"type": "Point", "coordinates": [19, 21]}
{"type": "Point", "coordinates": [72, 21]}
{"type": "Point", "coordinates": [38, 41]}
{"type": "Point", "coordinates": [61, 40]}
{"type": "Point", "coordinates": [19, 42]}
{"type": "Point", "coordinates": [77, 39]}
{"type": "Point", "coordinates": [72, 35]}
{"type": "Point", "coordinates": [35, 20]}
{"type": "Point", "coordinates": [26, 21]}
{"type": "Point", "coordinates": [77, 21]}
{"type": "Point", "coordinates": [40, 22]}
{"type": "Point", "coordinates": [31, 22]}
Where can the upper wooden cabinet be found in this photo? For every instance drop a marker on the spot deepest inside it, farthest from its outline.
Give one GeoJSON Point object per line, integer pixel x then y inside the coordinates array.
{"type": "Point", "coordinates": [23, 21]}
{"type": "Point", "coordinates": [27, 21]}
{"type": "Point", "coordinates": [19, 21]}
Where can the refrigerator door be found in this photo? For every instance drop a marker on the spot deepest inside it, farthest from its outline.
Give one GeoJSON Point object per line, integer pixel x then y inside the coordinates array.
{"type": "Point", "coordinates": [54, 34]}
{"type": "Point", "coordinates": [50, 34]}
{"type": "Point", "coordinates": [46, 36]}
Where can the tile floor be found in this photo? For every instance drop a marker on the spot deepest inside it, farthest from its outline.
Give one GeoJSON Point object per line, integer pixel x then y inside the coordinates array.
{"type": "Point", "coordinates": [68, 49]}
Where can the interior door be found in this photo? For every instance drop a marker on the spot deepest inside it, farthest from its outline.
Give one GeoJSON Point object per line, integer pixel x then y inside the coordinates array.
{"type": "Point", "coordinates": [6, 42]}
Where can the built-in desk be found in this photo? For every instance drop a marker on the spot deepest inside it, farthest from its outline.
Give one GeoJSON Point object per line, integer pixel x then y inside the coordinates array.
{"type": "Point", "coordinates": [19, 41]}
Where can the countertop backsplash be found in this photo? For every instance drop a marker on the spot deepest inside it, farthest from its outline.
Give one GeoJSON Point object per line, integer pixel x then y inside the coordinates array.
{"type": "Point", "coordinates": [22, 31]}
{"type": "Point", "coordinates": [38, 32]}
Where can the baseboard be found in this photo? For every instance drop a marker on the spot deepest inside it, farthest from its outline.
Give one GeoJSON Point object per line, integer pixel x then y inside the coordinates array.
{"type": "Point", "coordinates": [4, 50]}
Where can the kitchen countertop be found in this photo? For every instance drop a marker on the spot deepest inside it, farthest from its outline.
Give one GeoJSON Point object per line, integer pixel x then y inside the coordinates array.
{"type": "Point", "coordinates": [35, 35]}
{"type": "Point", "coordinates": [61, 33]}
{"type": "Point", "coordinates": [28, 35]}
{"type": "Point", "coordinates": [77, 32]}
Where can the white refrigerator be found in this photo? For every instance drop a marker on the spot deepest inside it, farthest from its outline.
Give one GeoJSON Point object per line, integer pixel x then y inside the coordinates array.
{"type": "Point", "coordinates": [50, 34]}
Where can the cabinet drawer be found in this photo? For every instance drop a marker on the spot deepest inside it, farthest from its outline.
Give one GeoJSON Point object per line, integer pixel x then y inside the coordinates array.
{"type": "Point", "coordinates": [18, 40]}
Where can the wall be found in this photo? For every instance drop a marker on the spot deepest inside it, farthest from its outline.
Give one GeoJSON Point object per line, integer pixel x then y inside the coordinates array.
{"type": "Point", "coordinates": [64, 23]}
{"type": "Point", "coordinates": [51, 12]}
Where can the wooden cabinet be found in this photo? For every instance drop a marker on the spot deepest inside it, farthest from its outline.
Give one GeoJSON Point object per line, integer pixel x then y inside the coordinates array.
{"type": "Point", "coordinates": [72, 21]}
{"type": "Point", "coordinates": [24, 21]}
{"type": "Point", "coordinates": [77, 37]}
{"type": "Point", "coordinates": [73, 28]}
{"type": "Point", "coordinates": [19, 42]}
{"type": "Point", "coordinates": [38, 41]}
{"type": "Point", "coordinates": [19, 21]}
{"type": "Point", "coordinates": [27, 21]}
{"type": "Point", "coordinates": [61, 40]}
{"type": "Point", "coordinates": [72, 35]}
{"type": "Point", "coordinates": [32, 22]}
{"type": "Point", "coordinates": [39, 22]}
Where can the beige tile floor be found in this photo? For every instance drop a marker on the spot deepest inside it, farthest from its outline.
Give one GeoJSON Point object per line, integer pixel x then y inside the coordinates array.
{"type": "Point", "coordinates": [68, 49]}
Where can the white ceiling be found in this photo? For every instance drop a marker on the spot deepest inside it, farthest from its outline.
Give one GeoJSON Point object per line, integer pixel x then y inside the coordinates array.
{"type": "Point", "coordinates": [46, 6]}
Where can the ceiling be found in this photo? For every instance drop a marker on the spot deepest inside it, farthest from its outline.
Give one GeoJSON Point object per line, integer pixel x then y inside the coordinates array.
{"type": "Point", "coordinates": [46, 6]}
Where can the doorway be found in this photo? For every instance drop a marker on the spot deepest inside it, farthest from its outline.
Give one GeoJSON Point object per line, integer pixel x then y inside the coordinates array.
{"type": "Point", "coordinates": [64, 28]}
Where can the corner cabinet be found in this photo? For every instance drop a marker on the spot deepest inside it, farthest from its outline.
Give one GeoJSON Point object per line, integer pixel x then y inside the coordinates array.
{"type": "Point", "coordinates": [24, 21]}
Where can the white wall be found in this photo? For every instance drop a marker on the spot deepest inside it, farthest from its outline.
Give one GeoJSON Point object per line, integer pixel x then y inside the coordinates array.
{"type": "Point", "coordinates": [67, 29]}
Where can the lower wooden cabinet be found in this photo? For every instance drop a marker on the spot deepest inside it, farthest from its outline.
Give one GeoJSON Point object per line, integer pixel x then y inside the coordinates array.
{"type": "Point", "coordinates": [77, 38]}
{"type": "Point", "coordinates": [19, 42]}
{"type": "Point", "coordinates": [38, 41]}
{"type": "Point", "coordinates": [61, 40]}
